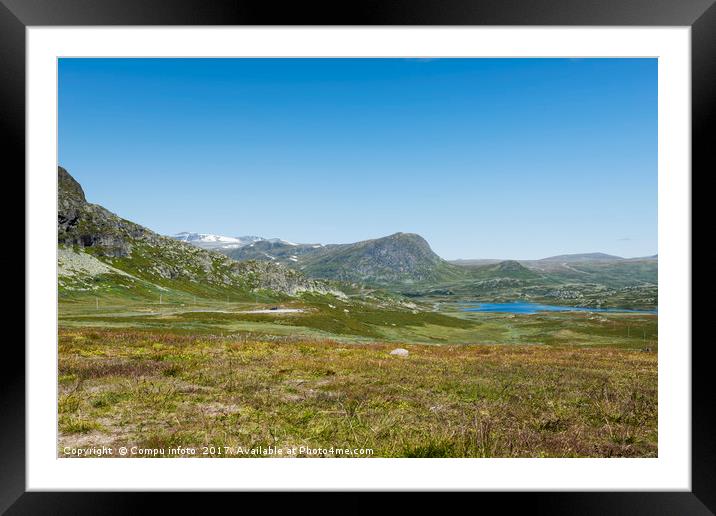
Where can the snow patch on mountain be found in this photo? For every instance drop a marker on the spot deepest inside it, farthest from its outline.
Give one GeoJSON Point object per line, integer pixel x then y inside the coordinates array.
{"type": "Point", "coordinates": [212, 241]}
{"type": "Point", "coordinates": [221, 242]}
{"type": "Point", "coordinates": [280, 241]}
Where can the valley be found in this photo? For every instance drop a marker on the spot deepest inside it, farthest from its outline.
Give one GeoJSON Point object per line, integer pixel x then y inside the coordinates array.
{"type": "Point", "coordinates": [200, 339]}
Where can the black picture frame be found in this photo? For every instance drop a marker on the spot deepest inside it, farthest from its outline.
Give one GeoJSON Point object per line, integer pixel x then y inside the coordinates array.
{"type": "Point", "coordinates": [700, 15]}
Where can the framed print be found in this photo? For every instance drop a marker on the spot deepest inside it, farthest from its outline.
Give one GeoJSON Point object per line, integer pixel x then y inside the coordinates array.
{"type": "Point", "coordinates": [434, 247]}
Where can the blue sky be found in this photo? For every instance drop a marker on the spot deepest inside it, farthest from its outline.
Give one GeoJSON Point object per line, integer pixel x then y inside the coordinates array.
{"type": "Point", "coordinates": [485, 158]}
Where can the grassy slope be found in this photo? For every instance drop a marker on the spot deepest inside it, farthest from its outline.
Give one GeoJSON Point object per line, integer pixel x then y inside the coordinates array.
{"type": "Point", "coordinates": [398, 259]}
{"type": "Point", "coordinates": [143, 276]}
{"type": "Point", "coordinates": [356, 321]}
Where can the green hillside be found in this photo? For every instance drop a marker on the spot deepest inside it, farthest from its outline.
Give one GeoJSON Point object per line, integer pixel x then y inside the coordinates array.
{"type": "Point", "coordinates": [101, 253]}
{"type": "Point", "coordinates": [398, 259]}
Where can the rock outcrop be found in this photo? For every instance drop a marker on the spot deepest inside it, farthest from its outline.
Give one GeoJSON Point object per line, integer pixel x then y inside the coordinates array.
{"type": "Point", "coordinates": [152, 257]}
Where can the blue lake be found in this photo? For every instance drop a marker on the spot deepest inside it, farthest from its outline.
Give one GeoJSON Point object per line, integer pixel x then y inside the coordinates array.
{"type": "Point", "coordinates": [523, 307]}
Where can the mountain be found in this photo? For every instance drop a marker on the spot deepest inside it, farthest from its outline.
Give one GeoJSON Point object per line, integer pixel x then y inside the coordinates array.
{"type": "Point", "coordinates": [102, 252]}
{"type": "Point", "coordinates": [505, 269]}
{"type": "Point", "coordinates": [398, 259]}
{"type": "Point", "coordinates": [653, 257]}
{"type": "Point", "coordinates": [585, 268]}
{"type": "Point", "coordinates": [275, 250]}
{"type": "Point", "coordinates": [583, 257]}
{"type": "Point", "coordinates": [225, 243]}
{"type": "Point", "coordinates": [209, 241]}
{"type": "Point", "coordinates": [401, 258]}
{"type": "Point", "coordinates": [597, 268]}
{"type": "Point", "coordinates": [475, 262]}
{"type": "Point", "coordinates": [561, 259]}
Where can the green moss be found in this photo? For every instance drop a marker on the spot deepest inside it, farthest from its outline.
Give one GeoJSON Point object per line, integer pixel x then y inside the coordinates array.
{"type": "Point", "coordinates": [78, 425]}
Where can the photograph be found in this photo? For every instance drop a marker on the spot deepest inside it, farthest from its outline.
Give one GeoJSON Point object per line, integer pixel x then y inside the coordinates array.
{"type": "Point", "coordinates": [321, 257]}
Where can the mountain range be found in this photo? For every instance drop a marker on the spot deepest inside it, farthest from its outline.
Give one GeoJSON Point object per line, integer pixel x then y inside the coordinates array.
{"type": "Point", "coordinates": [404, 263]}
{"type": "Point", "coordinates": [400, 258]}
{"type": "Point", "coordinates": [277, 249]}
{"type": "Point", "coordinates": [100, 251]}
{"type": "Point", "coordinates": [403, 258]}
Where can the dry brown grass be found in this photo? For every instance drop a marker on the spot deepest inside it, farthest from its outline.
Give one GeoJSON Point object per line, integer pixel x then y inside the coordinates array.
{"type": "Point", "coordinates": [161, 389]}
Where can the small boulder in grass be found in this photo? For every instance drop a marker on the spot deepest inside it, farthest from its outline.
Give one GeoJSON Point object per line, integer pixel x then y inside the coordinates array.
{"type": "Point", "coordinates": [400, 352]}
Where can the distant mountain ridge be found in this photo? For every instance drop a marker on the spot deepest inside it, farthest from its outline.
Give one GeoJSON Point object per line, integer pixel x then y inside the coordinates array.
{"type": "Point", "coordinates": [505, 269]}
{"type": "Point", "coordinates": [211, 241]}
{"type": "Point", "coordinates": [102, 252]}
{"type": "Point", "coordinates": [275, 250]}
{"type": "Point", "coordinates": [397, 258]}
{"type": "Point", "coordinates": [581, 257]}
{"type": "Point", "coordinates": [221, 242]}
{"type": "Point", "coordinates": [562, 258]}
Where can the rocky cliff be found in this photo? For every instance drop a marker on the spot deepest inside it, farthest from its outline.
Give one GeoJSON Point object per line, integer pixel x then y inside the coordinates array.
{"type": "Point", "coordinates": [136, 251]}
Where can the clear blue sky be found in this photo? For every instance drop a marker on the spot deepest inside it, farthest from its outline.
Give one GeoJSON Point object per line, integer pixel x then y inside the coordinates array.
{"type": "Point", "coordinates": [486, 158]}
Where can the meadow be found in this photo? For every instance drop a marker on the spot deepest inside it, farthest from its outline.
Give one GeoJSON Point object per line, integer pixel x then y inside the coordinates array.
{"type": "Point", "coordinates": [213, 377]}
